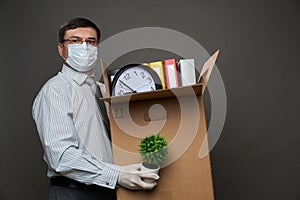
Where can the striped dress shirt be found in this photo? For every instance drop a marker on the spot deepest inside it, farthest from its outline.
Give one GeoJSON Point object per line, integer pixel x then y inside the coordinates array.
{"type": "Point", "coordinates": [71, 131]}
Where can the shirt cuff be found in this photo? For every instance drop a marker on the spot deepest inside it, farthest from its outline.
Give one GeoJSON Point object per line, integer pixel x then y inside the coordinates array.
{"type": "Point", "coordinates": [112, 174]}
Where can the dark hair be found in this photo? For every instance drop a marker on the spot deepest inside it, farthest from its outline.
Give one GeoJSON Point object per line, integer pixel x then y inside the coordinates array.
{"type": "Point", "coordinates": [77, 23]}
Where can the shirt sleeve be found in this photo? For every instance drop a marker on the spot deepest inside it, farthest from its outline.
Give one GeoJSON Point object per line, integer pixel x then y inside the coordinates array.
{"type": "Point", "coordinates": [52, 112]}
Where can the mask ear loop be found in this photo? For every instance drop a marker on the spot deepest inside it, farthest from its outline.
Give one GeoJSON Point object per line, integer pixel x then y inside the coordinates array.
{"type": "Point", "coordinates": [69, 64]}
{"type": "Point", "coordinates": [65, 59]}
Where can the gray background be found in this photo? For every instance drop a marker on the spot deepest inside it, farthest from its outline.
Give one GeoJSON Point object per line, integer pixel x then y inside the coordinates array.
{"type": "Point", "coordinates": [258, 153]}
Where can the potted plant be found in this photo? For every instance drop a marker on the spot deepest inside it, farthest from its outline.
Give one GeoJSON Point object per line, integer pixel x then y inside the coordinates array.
{"type": "Point", "coordinates": [153, 149]}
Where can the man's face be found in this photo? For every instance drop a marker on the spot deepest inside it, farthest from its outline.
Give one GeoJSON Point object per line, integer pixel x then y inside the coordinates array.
{"type": "Point", "coordinates": [82, 33]}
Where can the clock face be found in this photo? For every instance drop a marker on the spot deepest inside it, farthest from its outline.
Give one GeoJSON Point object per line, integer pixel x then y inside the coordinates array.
{"type": "Point", "coordinates": [135, 78]}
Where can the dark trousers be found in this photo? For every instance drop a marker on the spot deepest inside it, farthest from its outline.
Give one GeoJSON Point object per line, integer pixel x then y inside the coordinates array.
{"type": "Point", "coordinates": [66, 189]}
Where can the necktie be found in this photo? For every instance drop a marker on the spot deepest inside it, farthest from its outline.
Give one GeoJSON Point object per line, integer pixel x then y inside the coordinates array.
{"type": "Point", "coordinates": [96, 91]}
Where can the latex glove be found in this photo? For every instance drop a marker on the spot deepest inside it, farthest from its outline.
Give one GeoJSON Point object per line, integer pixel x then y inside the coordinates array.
{"type": "Point", "coordinates": [131, 177]}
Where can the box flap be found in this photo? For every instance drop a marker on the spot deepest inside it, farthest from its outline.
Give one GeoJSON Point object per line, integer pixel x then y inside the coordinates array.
{"type": "Point", "coordinates": [158, 94]}
{"type": "Point", "coordinates": [207, 69]}
{"type": "Point", "coordinates": [105, 77]}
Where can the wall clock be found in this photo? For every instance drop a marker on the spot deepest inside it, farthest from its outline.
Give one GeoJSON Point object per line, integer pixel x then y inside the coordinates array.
{"type": "Point", "coordinates": [135, 78]}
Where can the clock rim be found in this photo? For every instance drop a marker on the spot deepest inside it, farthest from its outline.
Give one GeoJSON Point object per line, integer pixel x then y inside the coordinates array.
{"type": "Point", "coordinates": [157, 81]}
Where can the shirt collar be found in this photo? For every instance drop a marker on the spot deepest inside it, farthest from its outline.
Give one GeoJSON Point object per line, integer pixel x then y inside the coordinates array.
{"type": "Point", "coordinates": [78, 77]}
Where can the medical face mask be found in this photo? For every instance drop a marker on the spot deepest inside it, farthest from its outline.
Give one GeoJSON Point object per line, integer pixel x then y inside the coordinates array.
{"type": "Point", "coordinates": [82, 57]}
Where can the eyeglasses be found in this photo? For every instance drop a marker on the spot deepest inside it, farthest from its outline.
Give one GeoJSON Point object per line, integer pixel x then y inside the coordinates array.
{"type": "Point", "coordinates": [92, 42]}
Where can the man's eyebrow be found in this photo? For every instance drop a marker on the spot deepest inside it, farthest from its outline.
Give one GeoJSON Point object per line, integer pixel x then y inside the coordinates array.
{"type": "Point", "coordinates": [92, 38]}
{"type": "Point", "coordinates": [74, 37]}
{"type": "Point", "coordinates": [86, 38]}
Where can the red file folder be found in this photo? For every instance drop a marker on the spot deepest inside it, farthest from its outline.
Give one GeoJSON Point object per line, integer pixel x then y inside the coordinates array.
{"type": "Point", "coordinates": [171, 72]}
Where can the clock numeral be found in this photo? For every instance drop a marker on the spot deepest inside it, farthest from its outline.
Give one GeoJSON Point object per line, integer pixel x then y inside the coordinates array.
{"type": "Point", "coordinates": [135, 73]}
{"type": "Point", "coordinates": [149, 80]}
{"type": "Point", "coordinates": [143, 75]}
{"type": "Point", "coordinates": [121, 92]}
{"type": "Point", "coordinates": [127, 76]}
{"type": "Point", "coordinates": [152, 88]}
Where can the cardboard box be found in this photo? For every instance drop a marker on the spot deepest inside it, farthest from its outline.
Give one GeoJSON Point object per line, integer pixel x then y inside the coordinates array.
{"type": "Point", "coordinates": [178, 115]}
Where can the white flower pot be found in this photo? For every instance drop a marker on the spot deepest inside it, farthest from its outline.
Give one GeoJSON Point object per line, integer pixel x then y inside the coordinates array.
{"type": "Point", "coordinates": [153, 169]}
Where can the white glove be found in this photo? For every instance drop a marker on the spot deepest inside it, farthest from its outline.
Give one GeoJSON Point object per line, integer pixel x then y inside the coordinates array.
{"type": "Point", "coordinates": [130, 177]}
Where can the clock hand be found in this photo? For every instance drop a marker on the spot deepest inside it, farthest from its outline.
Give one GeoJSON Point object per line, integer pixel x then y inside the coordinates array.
{"type": "Point", "coordinates": [141, 86]}
{"type": "Point", "coordinates": [128, 86]}
{"type": "Point", "coordinates": [128, 92]}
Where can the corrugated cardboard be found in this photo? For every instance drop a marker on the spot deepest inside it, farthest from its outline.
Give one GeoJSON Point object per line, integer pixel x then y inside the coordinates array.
{"type": "Point", "coordinates": [162, 111]}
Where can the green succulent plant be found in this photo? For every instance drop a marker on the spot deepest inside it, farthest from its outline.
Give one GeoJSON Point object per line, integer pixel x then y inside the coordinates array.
{"type": "Point", "coordinates": [153, 149]}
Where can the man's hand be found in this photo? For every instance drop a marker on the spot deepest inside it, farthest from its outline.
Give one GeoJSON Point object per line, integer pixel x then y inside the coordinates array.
{"type": "Point", "coordinates": [130, 177]}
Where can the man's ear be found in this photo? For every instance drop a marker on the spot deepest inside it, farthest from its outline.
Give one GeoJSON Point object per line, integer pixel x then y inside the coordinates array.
{"type": "Point", "coordinates": [60, 48]}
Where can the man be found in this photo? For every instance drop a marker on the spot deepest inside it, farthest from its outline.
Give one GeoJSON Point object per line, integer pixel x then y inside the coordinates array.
{"type": "Point", "coordinates": [73, 129]}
